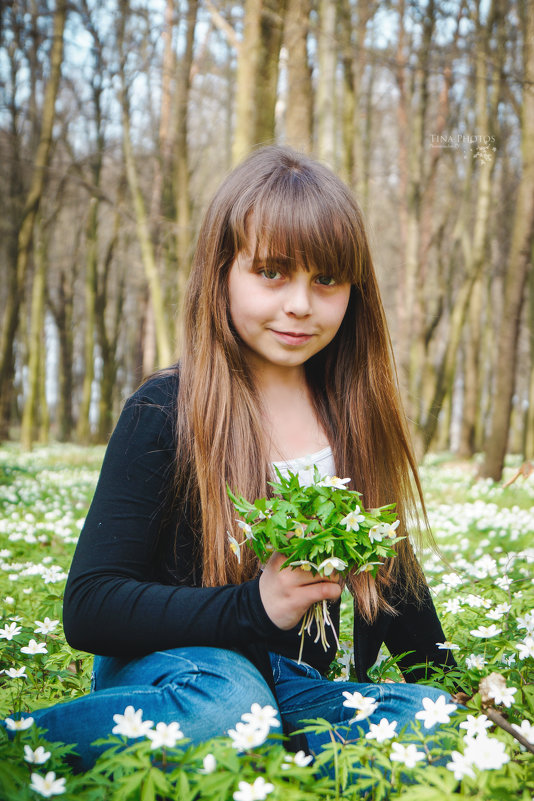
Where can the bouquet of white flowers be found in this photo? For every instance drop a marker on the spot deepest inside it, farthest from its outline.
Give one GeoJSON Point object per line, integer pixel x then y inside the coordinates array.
{"type": "Point", "coordinates": [319, 527]}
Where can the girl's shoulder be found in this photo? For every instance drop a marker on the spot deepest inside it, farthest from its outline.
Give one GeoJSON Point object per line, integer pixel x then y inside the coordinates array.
{"type": "Point", "coordinates": [160, 390]}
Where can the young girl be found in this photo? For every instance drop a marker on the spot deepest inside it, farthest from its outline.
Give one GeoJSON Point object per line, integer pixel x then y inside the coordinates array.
{"type": "Point", "coordinates": [286, 361]}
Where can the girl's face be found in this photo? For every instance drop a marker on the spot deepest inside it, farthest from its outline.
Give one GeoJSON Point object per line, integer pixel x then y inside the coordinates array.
{"type": "Point", "coordinates": [283, 317]}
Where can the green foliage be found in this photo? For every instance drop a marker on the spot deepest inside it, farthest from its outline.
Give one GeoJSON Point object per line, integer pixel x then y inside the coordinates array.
{"type": "Point", "coordinates": [485, 534]}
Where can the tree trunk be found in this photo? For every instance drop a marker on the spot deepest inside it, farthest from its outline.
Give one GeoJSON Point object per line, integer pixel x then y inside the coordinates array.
{"type": "Point", "coordinates": [83, 428]}
{"type": "Point", "coordinates": [271, 32]}
{"type": "Point", "coordinates": [326, 83]}
{"type": "Point", "coordinates": [31, 206]}
{"type": "Point", "coordinates": [163, 339]}
{"type": "Point", "coordinates": [298, 118]}
{"type": "Point", "coordinates": [247, 69]}
{"type": "Point", "coordinates": [33, 411]}
{"type": "Point", "coordinates": [529, 422]}
{"type": "Point", "coordinates": [181, 187]}
{"type": "Point", "coordinates": [519, 261]}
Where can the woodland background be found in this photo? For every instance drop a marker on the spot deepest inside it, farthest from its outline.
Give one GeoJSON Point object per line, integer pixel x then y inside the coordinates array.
{"type": "Point", "coordinates": [119, 119]}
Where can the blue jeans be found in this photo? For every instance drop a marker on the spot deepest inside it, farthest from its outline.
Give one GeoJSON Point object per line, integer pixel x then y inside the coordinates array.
{"type": "Point", "coordinates": [207, 690]}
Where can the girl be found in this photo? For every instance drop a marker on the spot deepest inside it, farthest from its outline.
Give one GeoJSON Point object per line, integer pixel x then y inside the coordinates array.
{"type": "Point", "coordinates": [286, 361]}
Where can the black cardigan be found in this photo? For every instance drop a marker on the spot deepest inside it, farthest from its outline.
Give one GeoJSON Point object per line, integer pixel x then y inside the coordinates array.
{"type": "Point", "coordinates": [132, 589]}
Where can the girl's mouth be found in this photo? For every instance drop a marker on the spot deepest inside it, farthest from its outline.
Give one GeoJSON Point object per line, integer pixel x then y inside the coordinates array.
{"type": "Point", "coordinates": [289, 338]}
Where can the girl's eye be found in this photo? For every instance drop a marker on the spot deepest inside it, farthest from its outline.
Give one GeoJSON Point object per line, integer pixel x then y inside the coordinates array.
{"type": "Point", "coordinates": [271, 275]}
{"type": "Point", "coordinates": [325, 280]}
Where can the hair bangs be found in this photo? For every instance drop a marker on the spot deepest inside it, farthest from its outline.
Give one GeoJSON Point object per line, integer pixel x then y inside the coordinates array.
{"type": "Point", "coordinates": [292, 223]}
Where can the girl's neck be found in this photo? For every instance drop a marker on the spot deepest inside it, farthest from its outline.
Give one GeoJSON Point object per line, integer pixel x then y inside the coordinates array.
{"type": "Point", "coordinates": [291, 425]}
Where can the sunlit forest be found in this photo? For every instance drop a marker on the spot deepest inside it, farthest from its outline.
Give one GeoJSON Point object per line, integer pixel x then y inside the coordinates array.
{"type": "Point", "coordinates": [119, 119]}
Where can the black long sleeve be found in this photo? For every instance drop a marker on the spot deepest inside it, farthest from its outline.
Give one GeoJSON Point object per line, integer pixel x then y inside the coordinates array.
{"type": "Point", "coordinates": [118, 599]}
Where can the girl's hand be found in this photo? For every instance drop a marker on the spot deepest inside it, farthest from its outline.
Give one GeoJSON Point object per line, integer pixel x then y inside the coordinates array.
{"type": "Point", "coordinates": [287, 594]}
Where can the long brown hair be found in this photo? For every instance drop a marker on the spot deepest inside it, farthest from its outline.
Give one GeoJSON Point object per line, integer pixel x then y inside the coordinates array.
{"type": "Point", "coordinates": [305, 213]}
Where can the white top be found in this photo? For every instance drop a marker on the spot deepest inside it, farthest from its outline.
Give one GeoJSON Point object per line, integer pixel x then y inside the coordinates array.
{"type": "Point", "coordinates": [303, 466]}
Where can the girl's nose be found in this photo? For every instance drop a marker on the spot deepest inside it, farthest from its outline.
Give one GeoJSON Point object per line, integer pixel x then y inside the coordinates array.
{"type": "Point", "coordinates": [297, 300]}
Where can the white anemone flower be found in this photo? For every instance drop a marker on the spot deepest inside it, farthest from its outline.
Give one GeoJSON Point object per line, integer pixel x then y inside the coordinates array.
{"type": "Point", "coordinates": [475, 725]}
{"type": "Point", "coordinates": [261, 716]}
{"type": "Point", "coordinates": [486, 753]}
{"type": "Point", "coordinates": [385, 730]}
{"type": "Point", "coordinates": [131, 724]}
{"type": "Point", "coordinates": [37, 757]}
{"type": "Point", "coordinates": [407, 754]}
{"type": "Point", "coordinates": [435, 711]}
{"type": "Point", "coordinates": [209, 764]}
{"type": "Point", "coordinates": [48, 785]}
{"type": "Point", "coordinates": [235, 546]}
{"type": "Point", "coordinates": [364, 705]}
{"type": "Point", "coordinates": [18, 725]}
{"type": "Point", "coordinates": [258, 791]}
{"type": "Point", "coordinates": [34, 648]}
{"type": "Point", "coordinates": [327, 567]}
{"type": "Point", "coordinates": [165, 735]}
{"type": "Point", "coordinates": [460, 766]}
{"type": "Point", "coordinates": [246, 529]}
{"type": "Point", "coordinates": [246, 736]}
{"type": "Point", "coordinates": [485, 632]}
{"type": "Point", "coordinates": [353, 519]}
{"type": "Point", "coordinates": [334, 482]}
{"type": "Point", "coordinates": [9, 631]}
{"type": "Point", "coordinates": [526, 648]}
{"type": "Point", "coordinates": [304, 564]}
{"type": "Point", "coordinates": [45, 626]}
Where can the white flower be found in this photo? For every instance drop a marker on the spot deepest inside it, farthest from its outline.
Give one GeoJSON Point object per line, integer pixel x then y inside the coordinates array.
{"type": "Point", "coordinates": [327, 567]}
{"type": "Point", "coordinates": [300, 759]}
{"type": "Point", "coordinates": [475, 661]}
{"type": "Point", "coordinates": [384, 730]}
{"type": "Point", "coordinates": [452, 580]}
{"type": "Point", "coordinates": [209, 764]}
{"type": "Point", "coordinates": [246, 529]}
{"type": "Point", "coordinates": [18, 725]}
{"type": "Point", "coordinates": [253, 792]}
{"type": "Point", "coordinates": [435, 711]}
{"type": "Point", "coordinates": [526, 729]}
{"type": "Point", "coordinates": [45, 626]}
{"type": "Point", "coordinates": [15, 673]}
{"type": "Point", "coordinates": [131, 724]}
{"type": "Point", "coordinates": [460, 766]}
{"type": "Point", "coordinates": [353, 519]}
{"type": "Point", "coordinates": [334, 482]}
{"type": "Point", "coordinates": [486, 753]}
{"type": "Point", "coordinates": [486, 631]}
{"type": "Point", "coordinates": [235, 546]}
{"type": "Point", "coordinates": [47, 785]}
{"type": "Point", "coordinates": [37, 757]}
{"type": "Point", "coordinates": [299, 530]}
{"type": "Point", "coordinates": [261, 716]}
{"type": "Point", "coordinates": [476, 725]}
{"type": "Point", "coordinates": [494, 687]}
{"type": "Point", "coordinates": [165, 735]}
{"type": "Point", "coordinates": [34, 648]}
{"type": "Point", "coordinates": [452, 605]}
{"type": "Point", "coordinates": [447, 645]}
{"type": "Point", "coordinates": [526, 648]}
{"type": "Point", "coordinates": [381, 530]}
{"type": "Point", "coordinates": [364, 705]}
{"type": "Point", "coordinates": [10, 631]}
{"type": "Point", "coordinates": [304, 564]}
{"type": "Point", "coordinates": [246, 736]}
{"type": "Point", "coordinates": [407, 754]}
{"type": "Point", "coordinates": [526, 622]}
